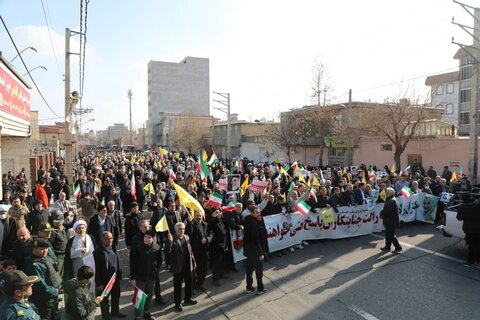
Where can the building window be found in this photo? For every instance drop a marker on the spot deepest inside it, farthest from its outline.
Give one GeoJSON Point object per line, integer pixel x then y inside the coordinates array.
{"type": "Point", "coordinates": [465, 95]}
{"type": "Point", "coordinates": [386, 147]}
{"type": "Point", "coordinates": [464, 118]}
{"type": "Point", "coordinates": [449, 108]}
{"type": "Point", "coordinates": [466, 73]}
{"type": "Point", "coordinates": [450, 88]}
{"type": "Point", "coordinates": [439, 90]}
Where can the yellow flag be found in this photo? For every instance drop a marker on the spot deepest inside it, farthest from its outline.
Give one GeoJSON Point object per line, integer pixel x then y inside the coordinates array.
{"type": "Point", "coordinates": [315, 182]}
{"type": "Point", "coordinates": [283, 171]}
{"type": "Point", "coordinates": [243, 187]}
{"type": "Point", "coordinates": [382, 195]}
{"type": "Point", "coordinates": [176, 155]}
{"type": "Point", "coordinates": [162, 151]}
{"type": "Point", "coordinates": [162, 225]}
{"type": "Point", "coordinates": [204, 156]}
{"type": "Point", "coordinates": [363, 180]}
{"type": "Point", "coordinates": [284, 197]}
{"type": "Point", "coordinates": [454, 177]}
{"type": "Point", "coordinates": [186, 199]}
{"type": "Point", "coordinates": [393, 170]}
{"type": "Point", "coordinates": [149, 188]}
{"type": "Point", "coordinates": [344, 171]}
{"type": "Point", "coordinates": [302, 179]}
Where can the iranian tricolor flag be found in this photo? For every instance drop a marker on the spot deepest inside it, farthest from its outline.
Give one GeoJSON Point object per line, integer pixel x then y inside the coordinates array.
{"type": "Point", "coordinates": [406, 192]}
{"type": "Point", "coordinates": [303, 207]}
{"type": "Point", "coordinates": [215, 200]}
{"type": "Point", "coordinates": [96, 189]}
{"type": "Point", "coordinates": [230, 207]}
{"type": "Point", "coordinates": [132, 187]}
{"type": "Point", "coordinates": [172, 174]}
{"type": "Point", "coordinates": [139, 299]}
{"type": "Point", "coordinates": [204, 172]}
{"type": "Point", "coordinates": [109, 286]}
{"type": "Point", "coordinates": [76, 191]}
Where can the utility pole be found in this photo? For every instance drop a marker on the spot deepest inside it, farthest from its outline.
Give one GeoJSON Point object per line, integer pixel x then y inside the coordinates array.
{"type": "Point", "coordinates": [213, 133]}
{"type": "Point", "coordinates": [474, 54]}
{"type": "Point", "coordinates": [226, 109]}
{"type": "Point", "coordinates": [71, 99]}
{"type": "Point", "coordinates": [130, 105]}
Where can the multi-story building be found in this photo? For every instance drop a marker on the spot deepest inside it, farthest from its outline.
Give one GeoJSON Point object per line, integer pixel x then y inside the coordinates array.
{"type": "Point", "coordinates": [445, 89]}
{"type": "Point", "coordinates": [247, 139]}
{"type": "Point", "coordinates": [118, 134]}
{"type": "Point", "coordinates": [176, 88]}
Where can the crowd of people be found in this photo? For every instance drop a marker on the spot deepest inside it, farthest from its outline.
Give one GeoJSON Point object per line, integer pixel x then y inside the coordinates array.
{"type": "Point", "coordinates": [50, 247]}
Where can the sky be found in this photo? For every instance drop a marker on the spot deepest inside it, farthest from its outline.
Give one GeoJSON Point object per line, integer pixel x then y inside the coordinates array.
{"type": "Point", "coordinates": [262, 52]}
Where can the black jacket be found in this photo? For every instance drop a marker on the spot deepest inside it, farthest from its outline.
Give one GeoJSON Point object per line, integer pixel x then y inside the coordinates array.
{"type": "Point", "coordinates": [9, 235]}
{"type": "Point", "coordinates": [217, 233]}
{"type": "Point", "coordinates": [59, 241]}
{"type": "Point", "coordinates": [196, 236]}
{"type": "Point", "coordinates": [103, 270]}
{"type": "Point", "coordinates": [94, 227]}
{"type": "Point", "coordinates": [34, 218]}
{"type": "Point", "coordinates": [145, 262]}
{"type": "Point", "coordinates": [469, 213]}
{"type": "Point", "coordinates": [174, 255]}
{"type": "Point", "coordinates": [78, 304]}
{"type": "Point", "coordinates": [117, 228]}
{"type": "Point", "coordinates": [131, 227]}
{"type": "Point", "coordinates": [252, 238]}
{"type": "Point", "coordinates": [389, 213]}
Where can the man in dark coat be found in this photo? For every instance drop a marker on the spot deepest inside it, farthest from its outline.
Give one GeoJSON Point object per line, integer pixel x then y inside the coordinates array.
{"type": "Point", "coordinates": [144, 268]}
{"type": "Point", "coordinates": [131, 224]}
{"type": "Point", "coordinates": [468, 212]}
{"type": "Point", "coordinates": [197, 231]}
{"type": "Point", "coordinates": [253, 250]}
{"type": "Point", "coordinates": [100, 223]}
{"type": "Point", "coordinates": [391, 221]}
{"type": "Point", "coordinates": [106, 264]}
{"type": "Point", "coordinates": [115, 215]}
{"type": "Point", "coordinates": [22, 247]}
{"type": "Point", "coordinates": [37, 216]}
{"type": "Point", "coordinates": [217, 241]}
{"type": "Point", "coordinates": [232, 220]}
{"type": "Point", "coordinates": [8, 231]}
{"type": "Point", "coordinates": [182, 264]}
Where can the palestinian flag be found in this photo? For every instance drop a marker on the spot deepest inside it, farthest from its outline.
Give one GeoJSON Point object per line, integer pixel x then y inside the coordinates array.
{"type": "Point", "coordinates": [139, 299]}
{"type": "Point", "coordinates": [109, 286]}
{"type": "Point", "coordinates": [230, 207]}
{"type": "Point", "coordinates": [303, 207]}
{"type": "Point", "coordinates": [213, 159]}
{"type": "Point", "coordinates": [132, 187]}
{"type": "Point", "coordinates": [215, 200]}
{"type": "Point", "coordinates": [406, 192]}
{"type": "Point", "coordinates": [204, 171]}
{"type": "Point", "coordinates": [76, 191]}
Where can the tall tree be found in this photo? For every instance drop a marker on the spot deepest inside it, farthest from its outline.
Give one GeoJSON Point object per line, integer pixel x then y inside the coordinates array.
{"type": "Point", "coordinates": [397, 120]}
{"type": "Point", "coordinates": [320, 84]}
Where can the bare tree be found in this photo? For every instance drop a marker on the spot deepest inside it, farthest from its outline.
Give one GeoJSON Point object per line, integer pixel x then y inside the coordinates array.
{"type": "Point", "coordinates": [397, 120]}
{"type": "Point", "coordinates": [190, 133]}
{"type": "Point", "coordinates": [282, 136]}
{"type": "Point", "coordinates": [320, 84]}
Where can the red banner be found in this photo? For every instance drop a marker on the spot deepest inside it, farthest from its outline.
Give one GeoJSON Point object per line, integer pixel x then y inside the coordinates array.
{"type": "Point", "coordinates": [14, 97]}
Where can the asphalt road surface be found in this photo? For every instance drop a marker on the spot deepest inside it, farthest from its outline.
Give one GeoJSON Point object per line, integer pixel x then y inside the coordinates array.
{"type": "Point", "coordinates": [341, 279]}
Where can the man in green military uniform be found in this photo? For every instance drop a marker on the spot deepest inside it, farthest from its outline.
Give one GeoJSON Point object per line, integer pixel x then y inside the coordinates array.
{"type": "Point", "coordinates": [18, 289]}
{"type": "Point", "coordinates": [45, 291]}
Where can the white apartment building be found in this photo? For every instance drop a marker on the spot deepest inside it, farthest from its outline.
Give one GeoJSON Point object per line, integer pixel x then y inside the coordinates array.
{"type": "Point", "coordinates": [445, 95]}
{"type": "Point", "coordinates": [176, 88]}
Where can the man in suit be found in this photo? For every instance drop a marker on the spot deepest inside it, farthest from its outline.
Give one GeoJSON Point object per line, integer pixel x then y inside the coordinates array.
{"type": "Point", "coordinates": [106, 264]}
{"type": "Point", "coordinates": [182, 263]}
{"type": "Point", "coordinates": [254, 251]}
{"type": "Point", "coordinates": [100, 223]}
{"type": "Point", "coordinates": [114, 214]}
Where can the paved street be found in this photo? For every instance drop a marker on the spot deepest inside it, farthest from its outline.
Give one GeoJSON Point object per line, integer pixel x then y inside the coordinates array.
{"type": "Point", "coordinates": [344, 279]}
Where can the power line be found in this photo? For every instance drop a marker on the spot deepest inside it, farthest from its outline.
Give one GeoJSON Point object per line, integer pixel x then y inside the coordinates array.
{"type": "Point", "coordinates": [26, 68]}
{"type": "Point", "coordinates": [50, 36]}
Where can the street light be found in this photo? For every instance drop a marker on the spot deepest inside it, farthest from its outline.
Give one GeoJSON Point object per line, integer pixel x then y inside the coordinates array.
{"type": "Point", "coordinates": [37, 67]}
{"type": "Point", "coordinates": [31, 48]}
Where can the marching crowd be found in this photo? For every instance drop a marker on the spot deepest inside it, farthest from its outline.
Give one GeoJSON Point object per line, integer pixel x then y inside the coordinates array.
{"type": "Point", "coordinates": [50, 247]}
